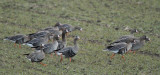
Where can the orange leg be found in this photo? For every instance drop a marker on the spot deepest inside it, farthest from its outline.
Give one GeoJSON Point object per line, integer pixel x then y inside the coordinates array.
{"type": "Point", "coordinates": [61, 57]}
{"type": "Point", "coordinates": [19, 45]}
{"type": "Point", "coordinates": [130, 50]}
{"type": "Point", "coordinates": [134, 52]}
{"type": "Point", "coordinates": [14, 44]}
{"type": "Point", "coordinates": [70, 59]}
{"type": "Point", "coordinates": [43, 64]}
{"type": "Point", "coordinates": [112, 55]}
{"type": "Point", "coordinates": [55, 53]}
{"type": "Point", "coordinates": [51, 55]}
{"type": "Point", "coordinates": [32, 63]}
{"type": "Point", "coordinates": [123, 57]}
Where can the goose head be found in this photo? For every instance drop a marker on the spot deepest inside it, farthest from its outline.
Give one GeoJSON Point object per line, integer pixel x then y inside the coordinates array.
{"type": "Point", "coordinates": [132, 31]}
{"type": "Point", "coordinates": [144, 37]}
{"type": "Point", "coordinates": [78, 28]}
{"type": "Point", "coordinates": [77, 38]}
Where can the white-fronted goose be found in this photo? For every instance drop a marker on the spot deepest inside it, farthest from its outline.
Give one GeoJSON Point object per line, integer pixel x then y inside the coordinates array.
{"type": "Point", "coordinates": [139, 43]}
{"type": "Point", "coordinates": [51, 47]}
{"type": "Point", "coordinates": [18, 39]}
{"type": "Point", "coordinates": [39, 34]}
{"type": "Point", "coordinates": [120, 48]}
{"type": "Point", "coordinates": [62, 44]}
{"type": "Point", "coordinates": [131, 35]}
{"type": "Point", "coordinates": [70, 28]}
{"type": "Point", "coordinates": [38, 41]}
{"type": "Point", "coordinates": [36, 56]}
{"type": "Point", "coordinates": [71, 51]}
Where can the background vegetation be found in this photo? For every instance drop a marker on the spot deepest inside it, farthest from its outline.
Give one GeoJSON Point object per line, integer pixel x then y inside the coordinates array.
{"type": "Point", "coordinates": [98, 18]}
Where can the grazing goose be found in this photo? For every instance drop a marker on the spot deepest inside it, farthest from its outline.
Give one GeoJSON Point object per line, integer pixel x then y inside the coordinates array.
{"type": "Point", "coordinates": [51, 47]}
{"type": "Point", "coordinates": [120, 48]}
{"type": "Point", "coordinates": [51, 28]}
{"type": "Point", "coordinates": [37, 56]}
{"type": "Point", "coordinates": [70, 28]}
{"type": "Point", "coordinates": [71, 51]}
{"type": "Point", "coordinates": [55, 32]}
{"type": "Point", "coordinates": [139, 43]}
{"type": "Point", "coordinates": [126, 37]}
{"type": "Point", "coordinates": [38, 41]}
{"type": "Point", "coordinates": [39, 34]}
{"type": "Point", "coordinates": [18, 39]}
{"type": "Point", "coordinates": [131, 35]}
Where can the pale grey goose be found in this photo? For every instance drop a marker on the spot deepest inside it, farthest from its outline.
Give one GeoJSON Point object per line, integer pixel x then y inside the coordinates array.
{"type": "Point", "coordinates": [120, 48]}
{"type": "Point", "coordinates": [36, 56]}
{"type": "Point", "coordinates": [70, 51]}
{"type": "Point", "coordinates": [51, 47]}
{"type": "Point", "coordinates": [62, 44]}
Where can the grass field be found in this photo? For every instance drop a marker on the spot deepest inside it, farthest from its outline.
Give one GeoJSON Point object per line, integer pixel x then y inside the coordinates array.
{"type": "Point", "coordinates": [28, 16]}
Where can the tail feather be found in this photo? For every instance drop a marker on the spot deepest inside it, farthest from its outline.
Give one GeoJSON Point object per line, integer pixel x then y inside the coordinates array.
{"type": "Point", "coordinates": [105, 50]}
{"type": "Point", "coordinates": [58, 53]}
{"type": "Point", "coordinates": [29, 44]}
{"type": "Point", "coordinates": [26, 54]}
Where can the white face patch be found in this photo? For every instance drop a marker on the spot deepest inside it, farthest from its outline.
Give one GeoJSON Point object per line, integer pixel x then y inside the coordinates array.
{"type": "Point", "coordinates": [81, 29]}
{"type": "Point", "coordinates": [42, 44]}
{"type": "Point", "coordinates": [58, 36]}
{"type": "Point", "coordinates": [66, 30]}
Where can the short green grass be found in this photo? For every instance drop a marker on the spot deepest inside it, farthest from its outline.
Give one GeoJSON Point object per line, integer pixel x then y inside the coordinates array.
{"type": "Point", "coordinates": [28, 16]}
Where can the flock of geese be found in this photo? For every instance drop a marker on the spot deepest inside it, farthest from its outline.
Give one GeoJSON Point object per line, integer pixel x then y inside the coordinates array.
{"type": "Point", "coordinates": [46, 41]}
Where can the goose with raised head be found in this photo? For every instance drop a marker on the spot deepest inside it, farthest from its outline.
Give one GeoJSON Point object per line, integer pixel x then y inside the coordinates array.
{"type": "Point", "coordinates": [62, 44]}
{"type": "Point", "coordinates": [70, 51]}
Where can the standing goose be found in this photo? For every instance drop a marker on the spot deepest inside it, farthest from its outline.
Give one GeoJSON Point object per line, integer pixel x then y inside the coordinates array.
{"type": "Point", "coordinates": [38, 41]}
{"type": "Point", "coordinates": [51, 47]}
{"type": "Point", "coordinates": [120, 48]}
{"type": "Point", "coordinates": [71, 51]}
{"type": "Point", "coordinates": [62, 44]}
{"type": "Point", "coordinates": [139, 43]}
{"type": "Point", "coordinates": [36, 56]}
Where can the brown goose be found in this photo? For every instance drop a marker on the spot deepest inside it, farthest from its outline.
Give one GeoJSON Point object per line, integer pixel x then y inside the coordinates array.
{"type": "Point", "coordinates": [70, 51]}
{"type": "Point", "coordinates": [120, 48]}
{"type": "Point", "coordinates": [36, 56]}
